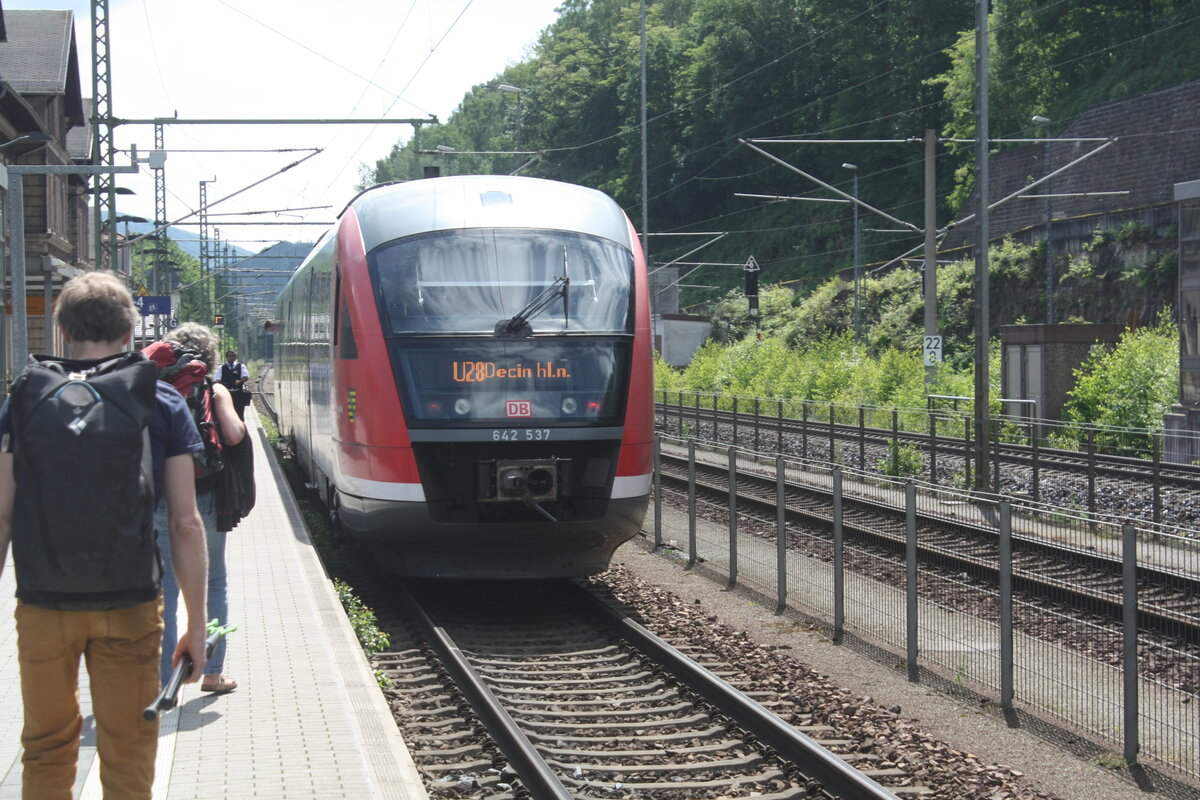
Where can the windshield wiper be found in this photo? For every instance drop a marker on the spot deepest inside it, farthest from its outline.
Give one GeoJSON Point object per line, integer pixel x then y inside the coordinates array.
{"type": "Point", "coordinates": [518, 324]}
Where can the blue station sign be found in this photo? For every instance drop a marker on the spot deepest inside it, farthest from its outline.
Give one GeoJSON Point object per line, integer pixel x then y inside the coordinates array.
{"type": "Point", "coordinates": [149, 305]}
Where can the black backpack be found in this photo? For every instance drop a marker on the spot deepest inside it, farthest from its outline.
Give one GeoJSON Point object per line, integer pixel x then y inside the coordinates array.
{"type": "Point", "coordinates": [83, 517]}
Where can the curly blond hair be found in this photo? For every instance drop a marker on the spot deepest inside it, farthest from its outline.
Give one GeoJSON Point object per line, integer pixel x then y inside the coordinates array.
{"type": "Point", "coordinates": [194, 336]}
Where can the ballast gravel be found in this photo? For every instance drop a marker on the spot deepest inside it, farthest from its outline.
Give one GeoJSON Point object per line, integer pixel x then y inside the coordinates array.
{"type": "Point", "coordinates": [1041, 767]}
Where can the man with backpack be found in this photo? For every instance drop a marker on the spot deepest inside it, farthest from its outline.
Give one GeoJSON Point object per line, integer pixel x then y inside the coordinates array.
{"type": "Point", "coordinates": [86, 446]}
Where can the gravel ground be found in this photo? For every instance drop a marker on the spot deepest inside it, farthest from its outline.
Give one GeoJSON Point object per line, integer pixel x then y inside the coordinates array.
{"type": "Point", "coordinates": [962, 726]}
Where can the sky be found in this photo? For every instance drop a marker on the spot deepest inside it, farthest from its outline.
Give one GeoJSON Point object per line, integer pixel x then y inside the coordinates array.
{"type": "Point", "coordinates": [287, 59]}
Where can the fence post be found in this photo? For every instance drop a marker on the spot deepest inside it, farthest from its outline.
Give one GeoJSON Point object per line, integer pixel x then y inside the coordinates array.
{"type": "Point", "coordinates": [932, 447]}
{"type": "Point", "coordinates": [691, 503]}
{"type": "Point", "coordinates": [716, 413]}
{"type": "Point", "coordinates": [1156, 479]}
{"type": "Point", "coordinates": [679, 408]}
{"type": "Point", "coordinates": [735, 421]}
{"type": "Point", "coordinates": [780, 538]}
{"type": "Point", "coordinates": [1006, 607]}
{"type": "Point", "coordinates": [862, 437]}
{"type": "Point", "coordinates": [839, 552]}
{"type": "Point", "coordinates": [832, 433]}
{"type": "Point", "coordinates": [1130, 615]}
{"type": "Point", "coordinates": [804, 429]}
{"type": "Point", "coordinates": [1091, 480]}
{"type": "Point", "coordinates": [779, 429]}
{"type": "Point", "coordinates": [996, 459]}
{"type": "Point", "coordinates": [1037, 467]}
{"type": "Point", "coordinates": [757, 423]}
{"type": "Point", "coordinates": [895, 441]}
{"type": "Point", "coordinates": [967, 451]}
{"type": "Point", "coordinates": [910, 592]}
{"type": "Point", "coordinates": [657, 491]}
{"type": "Point", "coordinates": [733, 521]}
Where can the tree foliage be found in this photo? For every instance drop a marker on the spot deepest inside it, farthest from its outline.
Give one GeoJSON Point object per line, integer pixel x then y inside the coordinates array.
{"type": "Point", "coordinates": [723, 71]}
{"type": "Point", "coordinates": [1128, 386]}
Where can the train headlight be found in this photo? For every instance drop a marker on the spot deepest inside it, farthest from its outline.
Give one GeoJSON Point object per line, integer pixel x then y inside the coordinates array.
{"type": "Point", "coordinates": [462, 406]}
{"type": "Point", "coordinates": [569, 406]}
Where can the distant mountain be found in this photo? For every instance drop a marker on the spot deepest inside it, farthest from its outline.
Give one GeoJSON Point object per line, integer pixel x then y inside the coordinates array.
{"type": "Point", "coordinates": [260, 278]}
{"type": "Point", "coordinates": [188, 242]}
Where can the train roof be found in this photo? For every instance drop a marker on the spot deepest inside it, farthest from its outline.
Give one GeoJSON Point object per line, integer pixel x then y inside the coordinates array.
{"type": "Point", "coordinates": [395, 210]}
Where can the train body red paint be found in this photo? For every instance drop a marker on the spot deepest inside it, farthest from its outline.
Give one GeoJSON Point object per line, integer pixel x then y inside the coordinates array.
{"type": "Point", "coordinates": [464, 367]}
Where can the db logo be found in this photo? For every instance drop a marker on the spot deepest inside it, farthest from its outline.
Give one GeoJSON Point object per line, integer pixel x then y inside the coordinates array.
{"type": "Point", "coordinates": [518, 408]}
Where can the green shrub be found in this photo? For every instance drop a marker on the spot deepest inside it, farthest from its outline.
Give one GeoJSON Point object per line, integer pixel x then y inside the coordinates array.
{"type": "Point", "coordinates": [902, 461]}
{"type": "Point", "coordinates": [362, 620]}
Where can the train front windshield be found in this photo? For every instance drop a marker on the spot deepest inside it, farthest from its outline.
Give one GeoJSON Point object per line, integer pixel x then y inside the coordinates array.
{"type": "Point", "coordinates": [468, 281]}
{"type": "Point", "coordinates": [507, 327]}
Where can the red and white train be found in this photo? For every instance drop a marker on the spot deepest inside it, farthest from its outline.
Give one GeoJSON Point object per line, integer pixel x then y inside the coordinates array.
{"type": "Point", "coordinates": [464, 367]}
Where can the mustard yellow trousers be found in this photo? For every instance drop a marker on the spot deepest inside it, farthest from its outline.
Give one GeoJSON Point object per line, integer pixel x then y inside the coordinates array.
{"type": "Point", "coordinates": [121, 649]}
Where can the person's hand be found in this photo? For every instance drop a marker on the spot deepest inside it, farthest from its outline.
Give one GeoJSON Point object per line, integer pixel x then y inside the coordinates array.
{"type": "Point", "coordinates": [192, 643]}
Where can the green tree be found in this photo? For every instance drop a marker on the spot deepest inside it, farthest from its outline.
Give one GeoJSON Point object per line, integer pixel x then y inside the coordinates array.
{"type": "Point", "coordinates": [1130, 385]}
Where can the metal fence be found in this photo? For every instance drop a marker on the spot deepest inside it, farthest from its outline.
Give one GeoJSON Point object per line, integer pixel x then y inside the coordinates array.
{"type": "Point", "coordinates": [932, 443]}
{"type": "Point", "coordinates": [1131, 690]}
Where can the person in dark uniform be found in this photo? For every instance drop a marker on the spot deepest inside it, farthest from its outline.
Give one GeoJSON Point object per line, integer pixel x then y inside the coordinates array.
{"type": "Point", "coordinates": [233, 375]}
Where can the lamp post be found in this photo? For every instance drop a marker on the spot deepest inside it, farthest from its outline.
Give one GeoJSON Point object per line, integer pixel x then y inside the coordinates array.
{"type": "Point", "coordinates": [857, 259]}
{"type": "Point", "coordinates": [1038, 119]}
{"type": "Point", "coordinates": [519, 92]}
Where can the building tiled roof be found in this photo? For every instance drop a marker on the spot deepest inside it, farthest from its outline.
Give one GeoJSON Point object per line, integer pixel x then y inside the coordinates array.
{"type": "Point", "coordinates": [39, 56]}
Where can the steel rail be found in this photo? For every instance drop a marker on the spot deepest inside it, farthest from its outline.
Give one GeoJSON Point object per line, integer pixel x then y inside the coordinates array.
{"type": "Point", "coordinates": [835, 775]}
{"type": "Point", "coordinates": [536, 775]}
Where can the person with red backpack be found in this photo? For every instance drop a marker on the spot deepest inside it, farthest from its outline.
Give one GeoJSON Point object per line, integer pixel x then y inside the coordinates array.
{"type": "Point", "coordinates": [87, 446]}
{"type": "Point", "coordinates": [186, 358]}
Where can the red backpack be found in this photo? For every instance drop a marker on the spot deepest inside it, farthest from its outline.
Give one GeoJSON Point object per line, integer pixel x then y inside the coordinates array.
{"type": "Point", "coordinates": [184, 370]}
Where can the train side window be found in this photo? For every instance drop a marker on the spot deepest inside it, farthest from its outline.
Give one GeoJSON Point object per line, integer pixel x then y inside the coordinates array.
{"type": "Point", "coordinates": [347, 347]}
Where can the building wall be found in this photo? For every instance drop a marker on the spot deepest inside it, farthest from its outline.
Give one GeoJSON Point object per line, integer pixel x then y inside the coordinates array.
{"type": "Point", "coordinates": [1158, 145]}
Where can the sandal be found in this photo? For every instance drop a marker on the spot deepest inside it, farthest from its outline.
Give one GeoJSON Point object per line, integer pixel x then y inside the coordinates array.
{"type": "Point", "coordinates": [222, 685]}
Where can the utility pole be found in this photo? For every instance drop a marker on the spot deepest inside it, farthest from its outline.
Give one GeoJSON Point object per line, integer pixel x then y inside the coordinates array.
{"type": "Point", "coordinates": [982, 299]}
{"type": "Point", "coordinates": [857, 259]}
{"type": "Point", "coordinates": [931, 315]}
{"type": "Point", "coordinates": [160, 219]}
{"type": "Point", "coordinates": [205, 310]}
{"type": "Point", "coordinates": [103, 150]}
{"type": "Point", "coordinates": [645, 182]}
{"type": "Point", "coordinates": [1045, 122]}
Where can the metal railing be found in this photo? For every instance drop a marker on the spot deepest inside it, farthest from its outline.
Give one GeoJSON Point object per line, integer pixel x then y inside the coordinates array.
{"type": "Point", "coordinates": [1132, 691]}
{"type": "Point", "coordinates": [932, 443]}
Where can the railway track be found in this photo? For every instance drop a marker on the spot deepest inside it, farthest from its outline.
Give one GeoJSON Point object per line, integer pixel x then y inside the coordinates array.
{"type": "Point", "coordinates": [579, 701]}
{"type": "Point", "coordinates": [1169, 601]}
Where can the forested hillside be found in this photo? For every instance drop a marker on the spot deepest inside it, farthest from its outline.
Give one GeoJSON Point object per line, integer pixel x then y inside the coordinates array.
{"type": "Point", "coordinates": [724, 70]}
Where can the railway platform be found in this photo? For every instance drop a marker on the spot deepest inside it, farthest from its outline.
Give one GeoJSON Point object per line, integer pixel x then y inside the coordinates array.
{"type": "Point", "coordinates": [307, 719]}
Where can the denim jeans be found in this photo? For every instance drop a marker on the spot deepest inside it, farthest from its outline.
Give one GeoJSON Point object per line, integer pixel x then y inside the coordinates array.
{"type": "Point", "coordinates": [119, 647]}
{"type": "Point", "coordinates": [218, 596]}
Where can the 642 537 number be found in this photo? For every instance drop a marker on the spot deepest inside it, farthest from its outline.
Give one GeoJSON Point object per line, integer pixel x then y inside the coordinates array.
{"type": "Point", "coordinates": [520, 434]}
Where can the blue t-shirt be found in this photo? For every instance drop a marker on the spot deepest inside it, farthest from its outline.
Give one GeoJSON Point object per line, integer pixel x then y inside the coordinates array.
{"type": "Point", "coordinates": [172, 431]}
